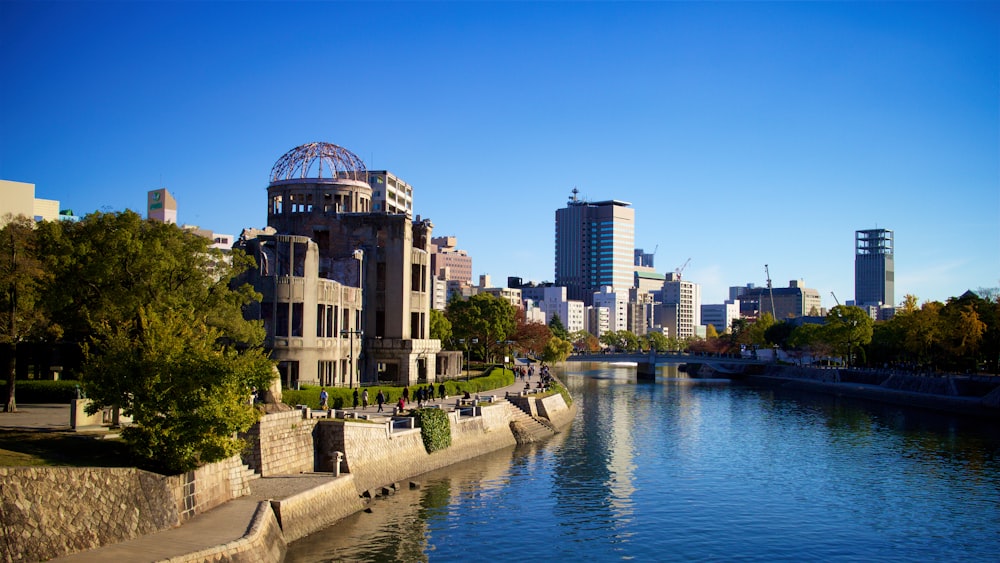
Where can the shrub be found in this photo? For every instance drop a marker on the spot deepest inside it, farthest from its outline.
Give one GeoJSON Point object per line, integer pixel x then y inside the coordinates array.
{"type": "Point", "coordinates": [435, 428]}
{"type": "Point", "coordinates": [42, 390]}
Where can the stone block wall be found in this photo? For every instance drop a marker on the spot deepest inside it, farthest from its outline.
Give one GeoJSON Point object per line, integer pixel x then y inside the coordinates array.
{"type": "Point", "coordinates": [553, 408]}
{"type": "Point", "coordinates": [317, 508]}
{"type": "Point", "coordinates": [48, 512]}
{"type": "Point", "coordinates": [205, 488]}
{"type": "Point", "coordinates": [374, 456]}
{"type": "Point", "coordinates": [281, 444]}
{"type": "Point", "coordinates": [263, 543]}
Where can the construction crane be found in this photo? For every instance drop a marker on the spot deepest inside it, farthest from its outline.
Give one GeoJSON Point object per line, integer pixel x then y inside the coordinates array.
{"type": "Point", "coordinates": [680, 270]}
{"type": "Point", "coordinates": [835, 298]}
{"type": "Point", "coordinates": [770, 290]}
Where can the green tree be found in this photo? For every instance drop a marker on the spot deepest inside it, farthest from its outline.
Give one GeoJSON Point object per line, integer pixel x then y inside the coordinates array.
{"type": "Point", "coordinates": [755, 333]}
{"type": "Point", "coordinates": [187, 396]}
{"type": "Point", "coordinates": [440, 326]}
{"type": "Point", "coordinates": [163, 332]}
{"type": "Point", "coordinates": [657, 342]}
{"type": "Point", "coordinates": [488, 319]}
{"type": "Point", "coordinates": [557, 350]}
{"type": "Point", "coordinates": [24, 279]}
{"type": "Point", "coordinates": [778, 333]}
{"type": "Point", "coordinates": [848, 328]}
{"type": "Point", "coordinates": [557, 327]}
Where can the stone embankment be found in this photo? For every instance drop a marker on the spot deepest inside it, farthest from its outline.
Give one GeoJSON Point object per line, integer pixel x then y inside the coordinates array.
{"type": "Point", "coordinates": [317, 470]}
{"type": "Point", "coordinates": [957, 394]}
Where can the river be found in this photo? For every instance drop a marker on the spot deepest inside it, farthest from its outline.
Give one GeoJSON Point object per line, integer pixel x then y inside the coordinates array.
{"type": "Point", "coordinates": [687, 470]}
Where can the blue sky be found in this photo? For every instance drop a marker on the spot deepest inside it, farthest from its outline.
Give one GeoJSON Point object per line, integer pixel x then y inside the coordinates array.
{"type": "Point", "coordinates": [743, 134]}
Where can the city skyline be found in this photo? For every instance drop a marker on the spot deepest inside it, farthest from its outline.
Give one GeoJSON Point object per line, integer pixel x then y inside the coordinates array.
{"type": "Point", "coordinates": [742, 134]}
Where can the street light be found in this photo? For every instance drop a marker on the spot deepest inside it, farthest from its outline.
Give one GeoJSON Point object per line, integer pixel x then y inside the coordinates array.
{"type": "Point", "coordinates": [465, 350]}
{"type": "Point", "coordinates": [350, 356]}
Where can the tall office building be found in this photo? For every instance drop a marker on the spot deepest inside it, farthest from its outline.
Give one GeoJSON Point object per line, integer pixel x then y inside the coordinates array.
{"type": "Point", "coordinates": [874, 269]}
{"type": "Point", "coordinates": [595, 247]}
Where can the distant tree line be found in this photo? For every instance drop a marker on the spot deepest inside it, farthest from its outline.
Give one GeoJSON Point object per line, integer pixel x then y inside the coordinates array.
{"type": "Point", "coordinates": [962, 334]}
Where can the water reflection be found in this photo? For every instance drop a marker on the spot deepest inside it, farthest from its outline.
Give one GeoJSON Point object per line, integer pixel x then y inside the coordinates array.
{"type": "Point", "coordinates": [682, 468]}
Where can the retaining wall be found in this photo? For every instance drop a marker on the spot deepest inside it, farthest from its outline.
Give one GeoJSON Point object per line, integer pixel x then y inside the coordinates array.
{"type": "Point", "coordinates": [209, 486]}
{"type": "Point", "coordinates": [263, 543]}
{"type": "Point", "coordinates": [317, 508]}
{"type": "Point", "coordinates": [83, 508]}
{"type": "Point", "coordinates": [281, 444]}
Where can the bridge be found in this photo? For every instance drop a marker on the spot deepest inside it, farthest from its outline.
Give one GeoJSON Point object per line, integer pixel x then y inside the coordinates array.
{"type": "Point", "coordinates": [646, 362]}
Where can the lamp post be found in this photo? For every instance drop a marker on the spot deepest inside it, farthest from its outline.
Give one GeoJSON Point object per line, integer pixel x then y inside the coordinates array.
{"type": "Point", "coordinates": [465, 351]}
{"type": "Point", "coordinates": [350, 355]}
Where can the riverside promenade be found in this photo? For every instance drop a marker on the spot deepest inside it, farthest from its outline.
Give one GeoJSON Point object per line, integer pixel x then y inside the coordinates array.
{"type": "Point", "coordinates": [200, 538]}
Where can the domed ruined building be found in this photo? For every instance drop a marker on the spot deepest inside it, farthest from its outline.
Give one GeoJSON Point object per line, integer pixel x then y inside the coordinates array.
{"type": "Point", "coordinates": [346, 278]}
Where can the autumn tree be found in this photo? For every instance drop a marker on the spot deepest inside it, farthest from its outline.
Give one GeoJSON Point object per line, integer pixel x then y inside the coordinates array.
{"type": "Point", "coordinates": [585, 341]}
{"type": "Point", "coordinates": [530, 338]}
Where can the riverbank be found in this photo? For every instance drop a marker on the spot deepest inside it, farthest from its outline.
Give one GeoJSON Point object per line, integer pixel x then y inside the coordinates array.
{"type": "Point", "coordinates": [258, 523]}
{"type": "Point", "coordinates": [933, 393]}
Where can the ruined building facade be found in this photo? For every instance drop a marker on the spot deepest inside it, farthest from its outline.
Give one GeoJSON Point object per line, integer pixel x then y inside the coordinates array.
{"type": "Point", "coordinates": [347, 290]}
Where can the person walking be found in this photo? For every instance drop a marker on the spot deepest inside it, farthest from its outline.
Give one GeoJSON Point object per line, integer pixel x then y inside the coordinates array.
{"type": "Point", "coordinates": [364, 399]}
{"type": "Point", "coordinates": [380, 398]}
{"type": "Point", "coordinates": [441, 391]}
{"type": "Point", "coordinates": [355, 398]}
{"type": "Point", "coordinates": [323, 398]}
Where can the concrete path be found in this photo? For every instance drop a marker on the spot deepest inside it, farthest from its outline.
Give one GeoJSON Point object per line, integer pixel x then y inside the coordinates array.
{"type": "Point", "coordinates": [219, 526]}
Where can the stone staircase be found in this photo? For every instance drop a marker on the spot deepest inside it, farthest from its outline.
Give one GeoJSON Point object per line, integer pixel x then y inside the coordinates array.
{"type": "Point", "coordinates": [526, 428]}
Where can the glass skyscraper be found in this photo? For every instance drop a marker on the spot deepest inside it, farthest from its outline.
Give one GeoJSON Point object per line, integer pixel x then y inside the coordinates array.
{"type": "Point", "coordinates": [595, 247]}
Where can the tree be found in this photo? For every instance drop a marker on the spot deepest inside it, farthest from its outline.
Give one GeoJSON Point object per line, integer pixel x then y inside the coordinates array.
{"type": "Point", "coordinates": [187, 396]}
{"type": "Point", "coordinates": [755, 333]}
{"type": "Point", "coordinates": [710, 332]}
{"type": "Point", "coordinates": [657, 342]}
{"type": "Point", "coordinates": [557, 327]}
{"type": "Point", "coordinates": [488, 319]}
{"type": "Point", "coordinates": [557, 350]}
{"type": "Point", "coordinates": [440, 326]}
{"type": "Point", "coordinates": [778, 333]}
{"type": "Point", "coordinates": [530, 337]}
{"type": "Point", "coordinates": [848, 328]}
{"type": "Point", "coordinates": [584, 341]}
{"type": "Point", "coordinates": [24, 279]}
{"type": "Point", "coordinates": [163, 332]}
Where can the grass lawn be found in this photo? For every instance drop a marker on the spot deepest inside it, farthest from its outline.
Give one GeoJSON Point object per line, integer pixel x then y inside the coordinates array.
{"type": "Point", "coordinates": [37, 447]}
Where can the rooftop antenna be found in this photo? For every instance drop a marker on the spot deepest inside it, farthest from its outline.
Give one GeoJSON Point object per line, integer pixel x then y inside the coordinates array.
{"type": "Point", "coordinates": [575, 191]}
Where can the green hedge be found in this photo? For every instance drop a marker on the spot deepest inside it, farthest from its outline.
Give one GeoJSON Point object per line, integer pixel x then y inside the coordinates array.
{"type": "Point", "coordinates": [435, 428]}
{"type": "Point", "coordinates": [41, 391]}
{"type": "Point", "coordinates": [343, 397]}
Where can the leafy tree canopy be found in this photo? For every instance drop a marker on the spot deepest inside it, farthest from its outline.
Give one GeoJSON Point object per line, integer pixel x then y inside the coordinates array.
{"type": "Point", "coordinates": [162, 329]}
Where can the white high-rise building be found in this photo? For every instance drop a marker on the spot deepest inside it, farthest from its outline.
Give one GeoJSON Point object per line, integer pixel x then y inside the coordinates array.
{"type": "Point", "coordinates": [616, 301]}
{"type": "Point", "coordinates": [681, 306]}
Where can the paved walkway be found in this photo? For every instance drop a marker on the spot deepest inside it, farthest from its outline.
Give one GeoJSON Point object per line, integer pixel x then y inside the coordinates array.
{"type": "Point", "coordinates": [221, 525]}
